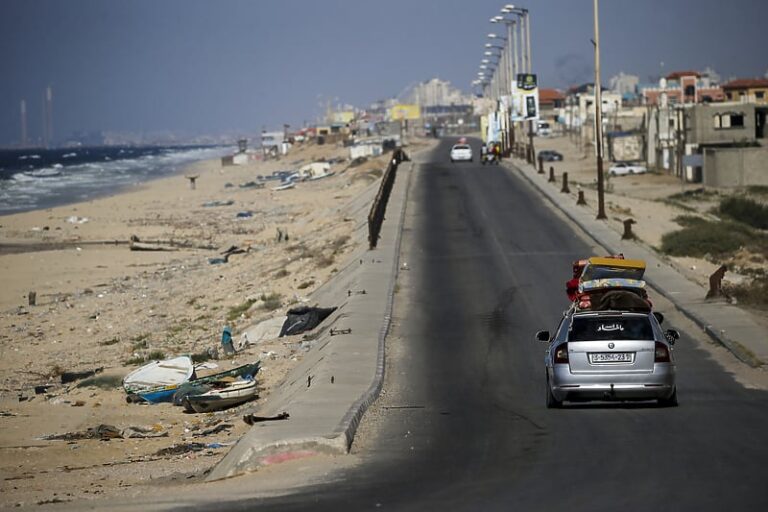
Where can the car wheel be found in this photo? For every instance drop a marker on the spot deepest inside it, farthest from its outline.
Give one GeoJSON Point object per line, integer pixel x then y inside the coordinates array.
{"type": "Point", "coordinates": [552, 402]}
{"type": "Point", "coordinates": [671, 401]}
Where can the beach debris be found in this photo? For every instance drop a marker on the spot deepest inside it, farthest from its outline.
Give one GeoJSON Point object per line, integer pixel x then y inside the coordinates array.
{"type": "Point", "coordinates": [180, 449]}
{"type": "Point", "coordinates": [215, 430]}
{"type": "Point", "coordinates": [226, 254]}
{"type": "Point", "coordinates": [103, 432]}
{"type": "Point", "coordinates": [265, 330]}
{"type": "Point", "coordinates": [142, 246]}
{"type": "Point", "coordinates": [251, 419]}
{"type": "Point", "coordinates": [136, 244]}
{"type": "Point", "coordinates": [284, 186]}
{"type": "Point", "coordinates": [212, 204]}
{"type": "Point", "coordinates": [39, 390]}
{"type": "Point", "coordinates": [67, 377]}
{"type": "Point", "coordinates": [315, 171]}
{"type": "Point", "coordinates": [282, 235]}
{"type": "Point", "coordinates": [32, 298]}
{"type": "Point", "coordinates": [244, 215]}
{"type": "Point", "coordinates": [304, 318]}
{"type": "Point", "coordinates": [251, 184]}
{"type": "Point", "coordinates": [192, 180]}
{"type": "Point", "coordinates": [337, 332]}
{"type": "Point", "coordinates": [74, 219]}
{"type": "Point", "coordinates": [226, 341]}
{"type": "Point", "coordinates": [233, 249]}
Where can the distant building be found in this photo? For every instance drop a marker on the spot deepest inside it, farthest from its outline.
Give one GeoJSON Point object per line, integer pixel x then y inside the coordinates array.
{"type": "Point", "coordinates": [683, 87]}
{"type": "Point", "coordinates": [550, 103]}
{"type": "Point", "coordinates": [625, 85]}
{"type": "Point", "coordinates": [719, 144]}
{"type": "Point", "coordinates": [436, 92]}
{"type": "Point", "coordinates": [747, 90]}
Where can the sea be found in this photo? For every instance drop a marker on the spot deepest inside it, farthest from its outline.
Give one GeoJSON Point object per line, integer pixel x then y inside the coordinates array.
{"type": "Point", "coordinates": [34, 179]}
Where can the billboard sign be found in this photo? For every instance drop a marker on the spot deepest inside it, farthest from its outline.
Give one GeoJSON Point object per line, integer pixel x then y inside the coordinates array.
{"type": "Point", "coordinates": [405, 111]}
{"type": "Point", "coordinates": [527, 97]}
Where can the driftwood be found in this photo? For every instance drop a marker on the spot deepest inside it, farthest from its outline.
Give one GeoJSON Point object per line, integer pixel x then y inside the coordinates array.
{"type": "Point", "coordinates": [141, 246]}
{"type": "Point", "coordinates": [165, 245]}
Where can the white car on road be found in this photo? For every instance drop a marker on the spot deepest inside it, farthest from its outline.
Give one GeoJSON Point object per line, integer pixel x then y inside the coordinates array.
{"type": "Point", "coordinates": [461, 152]}
{"type": "Point", "coordinates": [623, 168]}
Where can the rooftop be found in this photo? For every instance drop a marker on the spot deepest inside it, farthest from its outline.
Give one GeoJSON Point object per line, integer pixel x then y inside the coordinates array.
{"type": "Point", "coordinates": [745, 83]}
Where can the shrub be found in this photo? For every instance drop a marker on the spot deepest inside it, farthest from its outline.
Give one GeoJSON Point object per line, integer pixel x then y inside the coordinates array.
{"type": "Point", "coordinates": [745, 210]}
{"type": "Point", "coordinates": [201, 357]}
{"type": "Point", "coordinates": [271, 301]}
{"type": "Point", "coordinates": [101, 382]}
{"type": "Point", "coordinates": [700, 237]}
{"type": "Point", "coordinates": [236, 311]}
{"type": "Point", "coordinates": [753, 294]}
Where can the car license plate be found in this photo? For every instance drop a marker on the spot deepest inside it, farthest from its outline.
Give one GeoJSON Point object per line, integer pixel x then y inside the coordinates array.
{"type": "Point", "coordinates": [610, 357]}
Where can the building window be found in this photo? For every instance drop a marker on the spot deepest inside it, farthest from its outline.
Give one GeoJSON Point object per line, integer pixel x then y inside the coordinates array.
{"type": "Point", "coordinates": [760, 95]}
{"type": "Point", "coordinates": [728, 120]}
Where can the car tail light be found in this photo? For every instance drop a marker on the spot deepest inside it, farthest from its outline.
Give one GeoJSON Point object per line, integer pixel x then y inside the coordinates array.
{"type": "Point", "coordinates": [561, 354]}
{"type": "Point", "coordinates": [661, 354]}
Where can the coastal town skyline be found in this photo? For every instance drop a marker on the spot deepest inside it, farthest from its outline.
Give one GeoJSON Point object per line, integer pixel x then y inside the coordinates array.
{"type": "Point", "coordinates": [190, 68]}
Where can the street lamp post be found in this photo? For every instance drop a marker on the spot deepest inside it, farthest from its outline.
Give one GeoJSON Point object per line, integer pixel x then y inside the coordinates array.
{"type": "Point", "coordinates": [599, 121]}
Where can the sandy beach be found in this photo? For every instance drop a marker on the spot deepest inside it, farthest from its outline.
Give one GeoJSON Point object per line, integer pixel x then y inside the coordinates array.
{"type": "Point", "coordinates": [101, 305]}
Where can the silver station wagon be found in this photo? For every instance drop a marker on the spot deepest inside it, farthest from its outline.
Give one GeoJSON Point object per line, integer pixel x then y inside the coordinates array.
{"type": "Point", "coordinates": [611, 356]}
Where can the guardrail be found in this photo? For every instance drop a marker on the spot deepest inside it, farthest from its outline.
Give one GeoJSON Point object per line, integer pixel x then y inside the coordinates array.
{"type": "Point", "coordinates": [379, 206]}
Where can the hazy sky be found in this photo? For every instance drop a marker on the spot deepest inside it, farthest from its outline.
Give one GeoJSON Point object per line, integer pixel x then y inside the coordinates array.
{"type": "Point", "coordinates": [236, 66]}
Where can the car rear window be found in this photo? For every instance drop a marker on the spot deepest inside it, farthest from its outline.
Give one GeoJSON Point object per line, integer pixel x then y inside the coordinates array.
{"type": "Point", "coordinates": [460, 147]}
{"type": "Point", "coordinates": [610, 328]}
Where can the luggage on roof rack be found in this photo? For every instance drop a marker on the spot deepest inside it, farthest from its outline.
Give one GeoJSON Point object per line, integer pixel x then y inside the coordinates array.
{"type": "Point", "coordinates": [595, 280]}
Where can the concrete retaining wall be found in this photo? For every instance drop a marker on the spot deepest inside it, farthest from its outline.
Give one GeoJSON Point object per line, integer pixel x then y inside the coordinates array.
{"type": "Point", "coordinates": [735, 167]}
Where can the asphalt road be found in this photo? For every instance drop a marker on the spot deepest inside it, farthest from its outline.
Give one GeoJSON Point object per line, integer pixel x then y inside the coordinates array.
{"type": "Point", "coordinates": [463, 425]}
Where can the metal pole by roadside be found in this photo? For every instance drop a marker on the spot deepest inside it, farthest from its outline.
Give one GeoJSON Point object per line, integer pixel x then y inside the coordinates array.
{"type": "Point", "coordinates": [598, 121]}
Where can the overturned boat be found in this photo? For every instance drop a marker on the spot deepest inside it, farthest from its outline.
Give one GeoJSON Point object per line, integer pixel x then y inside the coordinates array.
{"type": "Point", "coordinates": [159, 380]}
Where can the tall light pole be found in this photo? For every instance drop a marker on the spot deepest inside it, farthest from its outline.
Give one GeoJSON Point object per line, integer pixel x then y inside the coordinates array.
{"type": "Point", "coordinates": [512, 70]}
{"type": "Point", "coordinates": [599, 121]}
{"type": "Point", "coordinates": [525, 44]}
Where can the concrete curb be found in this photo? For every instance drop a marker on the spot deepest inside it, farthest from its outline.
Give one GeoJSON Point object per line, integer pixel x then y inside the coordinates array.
{"type": "Point", "coordinates": [351, 421]}
{"type": "Point", "coordinates": [718, 335]}
{"type": "Point", "coordinates": [319, 432]}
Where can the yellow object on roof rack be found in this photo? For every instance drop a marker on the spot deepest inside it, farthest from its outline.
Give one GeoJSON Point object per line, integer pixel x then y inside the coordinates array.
{"type": "Point", "coordinates": [612, 268]}
{"type": "Point", "coordinates": [616, 263]}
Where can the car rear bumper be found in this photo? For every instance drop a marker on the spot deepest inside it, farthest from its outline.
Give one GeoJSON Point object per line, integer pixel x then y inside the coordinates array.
{"type": "Point", "coordinates": [567, 386]}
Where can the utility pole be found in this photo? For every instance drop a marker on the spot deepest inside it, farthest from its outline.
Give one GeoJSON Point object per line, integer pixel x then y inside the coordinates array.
{"type": "Point", "coordinates": [599, 121]}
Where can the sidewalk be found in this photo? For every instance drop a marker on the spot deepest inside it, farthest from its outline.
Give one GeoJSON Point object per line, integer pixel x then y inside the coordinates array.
{"type": "Point", "coordinates": [342, 374]}
{"type": "Point", "coordinates": [729, 325]}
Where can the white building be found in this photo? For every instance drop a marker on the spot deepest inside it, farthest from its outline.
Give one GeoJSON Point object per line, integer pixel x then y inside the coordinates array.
{"type": "Point", "coordinates": [436, 92]}
{"type": "Point", "coordinates": [624, 84]}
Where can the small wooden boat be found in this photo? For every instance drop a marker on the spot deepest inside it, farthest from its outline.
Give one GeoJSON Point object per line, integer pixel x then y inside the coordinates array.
{"type": "Point", "coordinates": [215, 399]}
{"type": "Point", "coordinates": [202, 384]}
{"type": "Point", "coordinates": [158, 380]}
